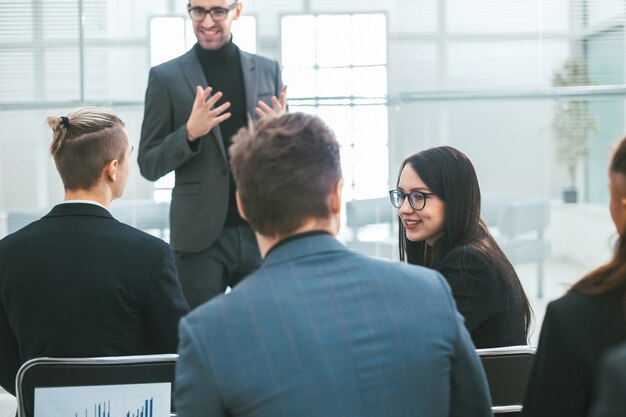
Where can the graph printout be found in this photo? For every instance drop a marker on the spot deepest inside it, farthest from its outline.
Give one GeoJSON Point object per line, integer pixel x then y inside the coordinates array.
{"type": "Point", "coordinates": [132, 400]}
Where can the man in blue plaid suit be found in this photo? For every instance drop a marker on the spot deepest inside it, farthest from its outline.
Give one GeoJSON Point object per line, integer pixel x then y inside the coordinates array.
{"type": "Point", "coordinates": [319, 330]}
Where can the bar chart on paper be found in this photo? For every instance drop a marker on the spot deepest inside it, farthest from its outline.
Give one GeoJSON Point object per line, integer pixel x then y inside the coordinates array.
{"type": "Point", "coordinates": [132, 400]}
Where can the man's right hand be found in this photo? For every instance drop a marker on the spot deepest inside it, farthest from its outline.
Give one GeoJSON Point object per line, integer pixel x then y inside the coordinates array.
{"type": "Point", "coordinates": [203, 116]}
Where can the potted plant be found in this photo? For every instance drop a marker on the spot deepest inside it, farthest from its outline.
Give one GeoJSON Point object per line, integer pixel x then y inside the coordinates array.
{"type": "Point", "coordinates": [572, 124]}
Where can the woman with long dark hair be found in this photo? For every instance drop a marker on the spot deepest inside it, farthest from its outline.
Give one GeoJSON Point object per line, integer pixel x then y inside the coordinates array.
{"type": "Point", "coordinates": [581, 326]}
{"type": "Point", "coordinates": [438, 201]}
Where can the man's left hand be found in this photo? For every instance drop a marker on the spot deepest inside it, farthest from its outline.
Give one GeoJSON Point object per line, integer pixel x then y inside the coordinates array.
{"type": "Point", "coordinates": [279, 105]}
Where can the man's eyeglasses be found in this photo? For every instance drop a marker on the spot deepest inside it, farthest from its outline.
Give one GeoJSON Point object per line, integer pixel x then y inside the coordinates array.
{"type": "Point", "coordinates": [198, 13]}
{"type": "Point", "coordinates": [417, 199]}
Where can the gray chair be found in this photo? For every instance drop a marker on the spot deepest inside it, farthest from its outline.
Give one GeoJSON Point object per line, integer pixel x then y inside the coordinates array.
{"type": "Point", "coordinates": [369, 212]}
{"type": "Point", "coordinates": [143, 214]}
{"type": "Point", "coordinates": [507, 370]}
{"type": "Point", "coordinates": [18, 219]}
{"type": "Point", "coordinates": [520, 224]}
{"type": "Point", "coordinates": [50, 383]}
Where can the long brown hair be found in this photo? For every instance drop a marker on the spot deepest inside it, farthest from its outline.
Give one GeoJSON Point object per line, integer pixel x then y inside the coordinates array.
{"type": "Point", "coordinates": [451, 176]}
{"type": "Point", "coordinates": [611, 276]}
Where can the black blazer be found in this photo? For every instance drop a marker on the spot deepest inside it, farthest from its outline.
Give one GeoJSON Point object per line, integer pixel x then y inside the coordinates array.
{"type": "Point", "coordinates": [611, 382]}
{"type": "Point", "coordinates": [577, 330]}
{"type": "Point", "coordinates": [492, 309]}
{"type": "Point", "coordinates": [79, 283]}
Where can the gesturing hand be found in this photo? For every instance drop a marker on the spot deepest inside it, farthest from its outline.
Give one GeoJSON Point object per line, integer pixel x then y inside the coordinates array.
{"type": "Point", "coordinates": [203, 116]}
{"type": "Point", "coordinates": [279, 105]}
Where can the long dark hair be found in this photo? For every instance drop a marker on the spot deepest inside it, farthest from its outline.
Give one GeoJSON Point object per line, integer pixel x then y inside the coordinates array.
{"type": "Point", "coordinates": [451, 176]}
{"type": "Point", "coordinates": [611, 276]}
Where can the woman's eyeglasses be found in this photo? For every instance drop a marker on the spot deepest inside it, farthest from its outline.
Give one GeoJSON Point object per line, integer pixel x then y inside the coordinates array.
{"type": "Point", "coordinates": [417, 199]}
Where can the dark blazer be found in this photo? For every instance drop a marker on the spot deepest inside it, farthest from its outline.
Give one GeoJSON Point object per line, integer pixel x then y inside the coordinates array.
{"type": "Point", "coordinates": [611, 392]}
{"type": "Point", "coordinates": [492, 309]}
{"type": "Point", "coordinates": [577, 330]}
{"type": "Point", "coordinates": [79, 283]}
{"type": "Point", "coordinates": [200, 195]}
{"type": "Point", "coordinates": [321, 331]}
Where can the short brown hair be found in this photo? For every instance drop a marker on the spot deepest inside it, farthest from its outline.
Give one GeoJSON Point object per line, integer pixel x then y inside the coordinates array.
{"type": "Point", "coordinates": [285, 169]}
{"type": "Point", "coordinates": [83, 142]}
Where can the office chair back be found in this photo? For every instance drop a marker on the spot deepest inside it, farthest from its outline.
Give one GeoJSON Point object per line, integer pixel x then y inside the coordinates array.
{"type": "Point", "coordinates": [92, 387]}
{"type": "Point", "coordinates": [507, 370]}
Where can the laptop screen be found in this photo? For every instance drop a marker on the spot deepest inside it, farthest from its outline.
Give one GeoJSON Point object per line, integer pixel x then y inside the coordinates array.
{"type": "Point", "coordinates": [129, 400]}
{"type": "Point", "coordinates": [133, 386]}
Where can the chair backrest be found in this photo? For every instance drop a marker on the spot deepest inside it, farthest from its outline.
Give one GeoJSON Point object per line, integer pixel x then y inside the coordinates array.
{"type": "Point", "coordinates": [521, 216]}
{"type": "Point", "coordinates": [371, 211]}
{"type": "Point", "coordinates": [15, 220]}
{"type": "Point", "coordinates": [515, 216]}
{"type": "Point", "coordinates": [122, 386]}
{"type": "Point", "coordinates": [143, 214]}
{"type": "Point", "coordinates": [507, 370]}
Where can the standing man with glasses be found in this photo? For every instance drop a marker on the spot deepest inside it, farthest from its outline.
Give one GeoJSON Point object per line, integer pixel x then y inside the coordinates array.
{"type": "Point", "coordinates": [194, 105]}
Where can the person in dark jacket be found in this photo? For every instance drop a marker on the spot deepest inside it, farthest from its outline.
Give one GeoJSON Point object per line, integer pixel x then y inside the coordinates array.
{"type": "Point", "coordinates": [438, 202]}
{"type": "Point", "coordinates": [580, 327]}
{"type": "Point", "coordinates": [78, 283]}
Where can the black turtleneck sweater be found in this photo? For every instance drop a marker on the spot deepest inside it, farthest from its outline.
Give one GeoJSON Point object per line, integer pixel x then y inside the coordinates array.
{"type": "Point", "coordinates": [222, 70]}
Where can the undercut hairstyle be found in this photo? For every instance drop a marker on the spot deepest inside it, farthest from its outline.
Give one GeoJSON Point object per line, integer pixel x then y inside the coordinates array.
{"type": "Point", "coordinates": [285, 168]}
{"type": "Point", "coordinates": [611, 276]}
{"type": "Point", "coordinates": [83, 143]}
{"type": "Point", "coordinates": [450, 174]}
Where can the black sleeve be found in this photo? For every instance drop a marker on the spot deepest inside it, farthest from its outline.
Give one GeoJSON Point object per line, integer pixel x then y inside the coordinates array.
{"type": "Point", "coordinates": [9, 353]}
{"type": "Point", "coordinates": [611, 386]}
{"type": "Point", "coordinates": [473, 283]}
{"type": "Point", "coordinates": [165, 303]}
{"type": "Point", "coordinates": [558, 384]}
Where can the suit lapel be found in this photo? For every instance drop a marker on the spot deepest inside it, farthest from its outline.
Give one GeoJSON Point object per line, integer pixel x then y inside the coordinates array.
{"type": "Point", "coordinates": [248, 67]}
{"type": "Point", "coordinates": [194, 75]}
{"type": "Point", "coordinates": [192, 70]}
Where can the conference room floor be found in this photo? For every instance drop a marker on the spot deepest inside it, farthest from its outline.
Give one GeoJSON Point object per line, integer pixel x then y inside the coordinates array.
{"type": "Point", "coordinates": [559, 275]}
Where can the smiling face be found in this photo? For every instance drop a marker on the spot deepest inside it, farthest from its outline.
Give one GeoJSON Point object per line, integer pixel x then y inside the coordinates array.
{"type": "Point", "coordinates": [213, 35]}
{"type": "Point", "coordinates": [428, 223]}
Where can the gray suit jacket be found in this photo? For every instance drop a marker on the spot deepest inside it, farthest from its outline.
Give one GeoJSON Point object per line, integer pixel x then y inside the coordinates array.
{"type": "Point", "coordinates": [200, 195]}
{"type": "Point", "coordinates": [319, 330]}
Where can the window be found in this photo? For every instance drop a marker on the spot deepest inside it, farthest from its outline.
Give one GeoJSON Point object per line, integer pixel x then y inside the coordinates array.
{"type": "Point", "coordinates": [336, 66]}
{"type": "Point", "coordinates": [172, 36]}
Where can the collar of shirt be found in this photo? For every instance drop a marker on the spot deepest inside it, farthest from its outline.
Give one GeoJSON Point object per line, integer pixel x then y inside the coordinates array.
{"type": "Point", "coordinates": [95, 203]}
